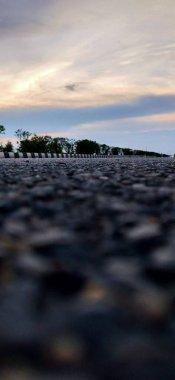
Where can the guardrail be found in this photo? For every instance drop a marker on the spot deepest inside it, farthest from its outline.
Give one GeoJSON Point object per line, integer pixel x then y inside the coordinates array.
{"type": "Point", "coordinates": [65, 155]}
{"type": "Point", "coordinates": [50, 155]}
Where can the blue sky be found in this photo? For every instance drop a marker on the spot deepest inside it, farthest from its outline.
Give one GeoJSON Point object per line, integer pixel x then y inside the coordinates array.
{"type": "Point", "coordinates": [102, 70]}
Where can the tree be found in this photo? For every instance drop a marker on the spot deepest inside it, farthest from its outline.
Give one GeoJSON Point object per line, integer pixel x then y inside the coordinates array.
{"type": "Point", "coordinates": [26, 135]}
{"type": "Point", "coordinates": [115, 150]}
{"type": "Point", "coordinates": [8, 147]}
{"type": "Point", "coordinates": [87, 147]}
{"type": "Point", "coordinates": [22, 135]}
{"type": "Point", "coordinates": [67, 145]}
{"type": "Point", "coordinates": [54, 146]}
{"type": "Point", "coordinates": [104, 149]}
{"type": "Point", "coordinates": [127, 151]}
{"type": "Point", "coordinates": [38, 144]}
{"type": "Point", "coordinates": [19, 134]}
{"type": "Point", "coordinates": [45, 144]}
{"type": "Point", "coordinates": [2, 129]}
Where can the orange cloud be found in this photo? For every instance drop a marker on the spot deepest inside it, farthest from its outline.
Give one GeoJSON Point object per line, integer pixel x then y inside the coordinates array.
{"type": "Point", "coordinates": [52, 134]}
{"type": "Point", "coordinates": [4, 140]}
{"type": "Point", "coordinates": [166, 117]}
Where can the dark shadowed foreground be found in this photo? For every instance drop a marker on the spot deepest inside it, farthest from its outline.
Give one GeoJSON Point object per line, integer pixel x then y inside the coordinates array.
{"type": "Point", "coordinates": [87, 269]}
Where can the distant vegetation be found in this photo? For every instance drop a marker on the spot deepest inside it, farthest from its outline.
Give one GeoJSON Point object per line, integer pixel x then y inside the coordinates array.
{"type": "Point", "coordinates": [26, 142]}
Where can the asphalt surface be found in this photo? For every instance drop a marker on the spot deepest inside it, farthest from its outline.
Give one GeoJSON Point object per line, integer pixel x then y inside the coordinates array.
{"type": "Point", "coordinates": [87, 269]}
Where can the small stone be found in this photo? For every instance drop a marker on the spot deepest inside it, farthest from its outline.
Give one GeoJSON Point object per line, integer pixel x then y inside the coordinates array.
{"type": "Point", "coordinates": [144, 231]}
{"type": "Point", "coordinates": [15, 229]}
{"type": "Point", "coordinates": [139, 187]}
{"type": "Point", "coordinates": [29, 263]}
{"type": "Point", "coordinates": [51, 236]}
{"type": "Point", "coordinates": [66, 350]}
{"type": "Point", "coordinates": [152, 306]}
{"type": "Point", "coordinates": [121, 269]}
{"type": "Point", "coordinates": [95, 292]}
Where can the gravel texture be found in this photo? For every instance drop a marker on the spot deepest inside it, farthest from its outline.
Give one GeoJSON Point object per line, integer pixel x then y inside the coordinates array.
{"type": "Point", "coordinates": [87, 269]}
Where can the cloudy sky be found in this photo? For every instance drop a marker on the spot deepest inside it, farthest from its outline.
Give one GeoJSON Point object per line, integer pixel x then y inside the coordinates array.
{"type": "Point", "coordinates": [102, 69]}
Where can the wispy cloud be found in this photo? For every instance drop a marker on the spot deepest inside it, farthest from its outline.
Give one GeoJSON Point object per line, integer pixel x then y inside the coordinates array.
{"type": "Point", "coordinates": [135, 125]}
{"type": "Point", "coordinates": [49, 47]}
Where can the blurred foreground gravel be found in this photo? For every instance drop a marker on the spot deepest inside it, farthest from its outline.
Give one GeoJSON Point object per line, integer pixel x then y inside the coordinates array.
{"type": "Point", "coordinates": [87, 269]}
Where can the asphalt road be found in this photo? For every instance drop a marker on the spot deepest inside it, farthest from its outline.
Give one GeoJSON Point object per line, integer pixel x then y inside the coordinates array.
{"type": "Point", "coordinates": [87, 269]}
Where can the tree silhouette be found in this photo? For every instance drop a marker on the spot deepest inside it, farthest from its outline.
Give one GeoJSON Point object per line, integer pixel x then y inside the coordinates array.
{"type": "Point", "coordinates": [8, 147]}
{"type": "Point", "coordinates": [2, 129]}
{"type": "Point", "coordinates": [87, 147]}
{"type": "Point", "coordinates": [22, 135]}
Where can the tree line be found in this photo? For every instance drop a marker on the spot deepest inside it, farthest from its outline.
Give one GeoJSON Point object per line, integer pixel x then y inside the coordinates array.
{"type": "Point", "coordinates": [32, 143]}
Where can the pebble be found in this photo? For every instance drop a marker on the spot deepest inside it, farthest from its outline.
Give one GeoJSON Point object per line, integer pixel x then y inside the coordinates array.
{"type": "Point", "coordinates": [144, 231]}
